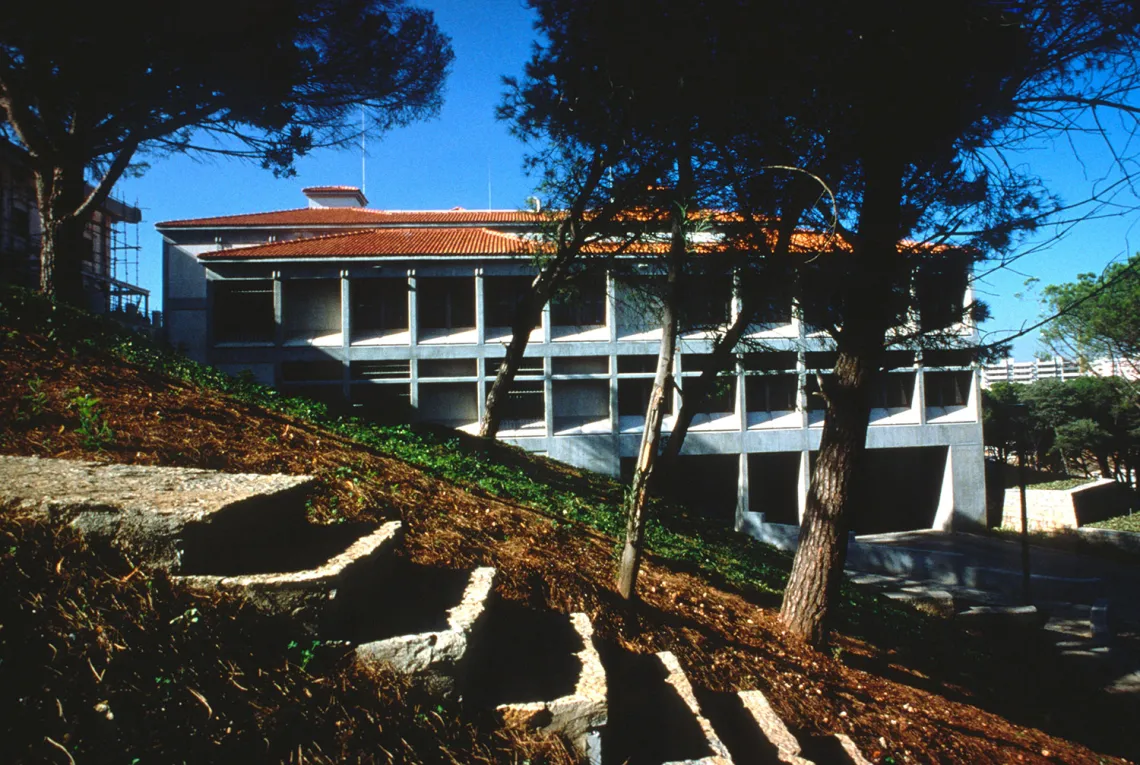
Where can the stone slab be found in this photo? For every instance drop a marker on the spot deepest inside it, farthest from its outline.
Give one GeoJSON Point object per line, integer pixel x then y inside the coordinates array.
{"type": "Point", "coordinates": [137, 506]}
{"type": "Point", "coordinates": [581, 715]}
{"type": "Point", "coordinates": [301, 592]}
{"type": "Point", "coordinates": [434, 657]}
{"type": "Point", "coordinates": [675, 676]}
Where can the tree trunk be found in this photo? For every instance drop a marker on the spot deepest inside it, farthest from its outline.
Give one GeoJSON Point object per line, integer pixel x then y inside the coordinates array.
{"type": "Point", "coordinates": [697, 389]}
{"type": "Point", "coordinates": [527, 317]}
{"type": "Point", "coordinates": [638, 505]}
{"type": "Point", "coordinates": [61, 236]}
{"type": "Point", "coordinates": [651, 435]}
{"type": "Point", "coordinates": [876, 267]}
{"type": "Point", "coordinates": [822, 552]}
{"type": "Point", "coordinates": [573, 233]}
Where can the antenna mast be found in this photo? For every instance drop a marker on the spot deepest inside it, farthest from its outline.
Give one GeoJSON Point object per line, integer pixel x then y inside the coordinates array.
{"type": "Point", "coordinates": [363, 134]}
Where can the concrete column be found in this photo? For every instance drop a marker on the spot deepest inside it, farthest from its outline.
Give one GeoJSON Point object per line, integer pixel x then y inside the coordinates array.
{"type": "Point", "coordinates": [413, 339]}
{"type": "Point", "coordinates": [413, 315]}
{"type": "Point", "coordinates": [278, 309]}
{"type": "Point", "coordinates": [741, 491]}
{"type": "Point", "coordinates": [480, 322]}
{"type": "Point", "coordinates": [611, 307]}
{"type": "Point", "coordinates": [546, 325]}
{"type": "Point", "coordinates": [548, 395]}
{"type": "Point", "coordinates": [345, 331]}
{"type": "Point", "coordinates": [614, 418]}
{"type": "Point", "coordinates": [741, 396]}
{"type": "Point", "coordinates": [801, 384]}
{"type": "Point", "coordinates": [804, 484]}
{"type": "Point", "coordinates": [920, 387]}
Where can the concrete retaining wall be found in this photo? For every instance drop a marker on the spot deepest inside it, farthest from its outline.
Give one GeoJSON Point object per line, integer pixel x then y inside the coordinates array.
{"type": "Point", "coordinates": [1050, 510]}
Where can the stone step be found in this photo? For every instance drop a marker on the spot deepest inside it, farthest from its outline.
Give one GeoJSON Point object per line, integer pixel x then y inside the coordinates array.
{"type": "Point", "coordinates": [653, 717]}
{"type": "Point", "coordinates": [677, 679]}
{"type": "Point", "coordinates": [579, 714]}
{"type": "Point", "coordinates": [308, 594]}
{"type": "Point", "coordinates": [150, 510]}
{"type": "Point", "coordinates": [793, 750]}
{"type": "Point", "coordinates": [435, 657]}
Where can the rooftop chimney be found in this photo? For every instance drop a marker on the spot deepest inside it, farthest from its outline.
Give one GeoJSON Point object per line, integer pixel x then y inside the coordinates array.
{"type": "Point", "coordinates": [335, 196]}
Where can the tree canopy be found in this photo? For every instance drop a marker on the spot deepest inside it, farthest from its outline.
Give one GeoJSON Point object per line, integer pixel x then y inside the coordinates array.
{"type": "Point", "coordinates": [1096, 316]}
{"type": "Point", "coordinates": [89, 90]}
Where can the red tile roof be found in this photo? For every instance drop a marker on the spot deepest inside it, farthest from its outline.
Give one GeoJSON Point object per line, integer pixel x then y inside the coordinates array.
{"type": "Point", "coordinates": [394, 242]}
{"type": "Point", "coordinates": [357, 216]}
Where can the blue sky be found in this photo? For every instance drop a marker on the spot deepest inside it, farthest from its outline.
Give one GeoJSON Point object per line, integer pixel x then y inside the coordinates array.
{"type": "Point", "coordinates": [451, 160]}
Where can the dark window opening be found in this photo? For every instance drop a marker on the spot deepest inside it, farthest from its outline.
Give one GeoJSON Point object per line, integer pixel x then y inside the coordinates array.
{"type": "Point", "coordinates": [895, 391]}
{"type": "Point", "coordinates": [771, 393]}
{"type": "Point", "coordinates": [446, 302]}
{"type": "Point", "coordinates": [297, 371]}
{"type": "Point", "coordinates": [312, 307]}
{"type": "Point", "coordinates": [525, 402]}
{"type": "Point", "coordinates": [530, 365]}
{"type": "Point", "coordinates": [773, 486]}
{"type": "Point", "coordinates": [633, 398]}
{"type": "Point", "coordinates": [379, 305]}
{"type": "Point", "coordinates": [501, 297]}
{"type": "Point", "coordinates": [382, 403]}
{"type": "Point", "coordinates": [637, 364]}
{"type": "Point", "coordinates": [771, 361]}
{"type": "Point", "coordinates": [705, 303]}
{"type": "Point", "coordinates": [381, 370]}
{"type": "Point", "coordinates": [582, 304]}
{"type": "Point", "coordinates": [449, 403]}
{"type": "Point", "coordinates": [243, 312]}
{"type": "Point", "coordinates": [948, 388]}
{"type": "Point", "coordinates": [447, 367]}
{"type": "Point", "coordinates": [721, 399]}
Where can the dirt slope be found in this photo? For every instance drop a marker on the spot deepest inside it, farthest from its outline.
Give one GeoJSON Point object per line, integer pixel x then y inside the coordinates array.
{"type": "Point", "coordinates": [726, 638]}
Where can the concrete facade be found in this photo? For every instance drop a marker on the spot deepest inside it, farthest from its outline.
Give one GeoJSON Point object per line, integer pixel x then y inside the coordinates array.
{"type": "Point", "coordinates": [421, 336]}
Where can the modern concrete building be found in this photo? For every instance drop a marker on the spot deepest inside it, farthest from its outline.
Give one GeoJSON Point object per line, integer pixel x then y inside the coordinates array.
{"type": "Point", "coordinates": [409, 313]}
{"type": "Point", "coordinates": [110, 264]}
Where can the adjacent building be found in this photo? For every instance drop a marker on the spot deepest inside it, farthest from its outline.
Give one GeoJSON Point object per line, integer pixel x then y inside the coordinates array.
{"type": "Point", "coordinates": [406, 314]}
{"type": "Point", "coordinates": [110, 263]}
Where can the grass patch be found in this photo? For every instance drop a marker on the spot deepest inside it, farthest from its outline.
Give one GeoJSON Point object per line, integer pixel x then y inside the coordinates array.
{"type": "Point", "coordinates": [1120, 523]}
{"type": "Point", "coordinates": [1063, 484]}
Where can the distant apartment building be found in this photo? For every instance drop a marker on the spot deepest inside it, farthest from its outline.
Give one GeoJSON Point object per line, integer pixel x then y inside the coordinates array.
{"type": "Point", "coordinates": [110, 262]}
{"type": "Point", "coordinates": [409, 312]}
{"type": "Point", "coordinates": [1057, 368]}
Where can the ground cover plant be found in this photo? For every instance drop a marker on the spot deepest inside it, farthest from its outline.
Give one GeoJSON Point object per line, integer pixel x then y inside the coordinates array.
{"type": "Point", "coordinates": [909, 689]}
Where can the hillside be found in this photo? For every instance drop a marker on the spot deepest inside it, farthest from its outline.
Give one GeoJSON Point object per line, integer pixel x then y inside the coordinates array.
{"type": "Point", "coordinates": [903, 686]}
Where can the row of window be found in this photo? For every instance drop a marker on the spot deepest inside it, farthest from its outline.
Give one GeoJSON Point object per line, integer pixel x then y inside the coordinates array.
{"type": "Point", "coordinates": [590, 398]}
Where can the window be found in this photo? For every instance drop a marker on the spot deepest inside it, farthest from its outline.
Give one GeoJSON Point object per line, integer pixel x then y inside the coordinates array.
{"type": "Point", "coordinates": [243, 312]}
{"type": "Point", "coordinates": [948, 388]}
{"type": "Point", "coordinates": [582, 304]}
{"type": "Point", "coordinates": [501, 297]}
{"type": "Point", "coordinates": [379, 306]}
{"type": "Point", "coordinates": [304, 371]}
{"type": "Point", "coordinates": [312, 307]}
{"type": "Point", "coordinates": [771, 393]}
{"type": "Point", "coordinates": [580, 365]}
{"type": "Point", "coordinates": [447, 367]}
{"type": "Point", "coordinates": [705, 303]}
{"type": "Point", "coordinates": [446, 302]}
{"type": "Point", "coordinates": [394, 369]}
{"type": "Point", "coordinates": [633, 398]}
{"type": "Point", "coordinates": [895, 391]}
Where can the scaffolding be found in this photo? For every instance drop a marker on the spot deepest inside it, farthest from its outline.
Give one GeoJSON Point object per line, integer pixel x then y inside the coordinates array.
{"type": "Point", "coordinates": [125, 294]}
